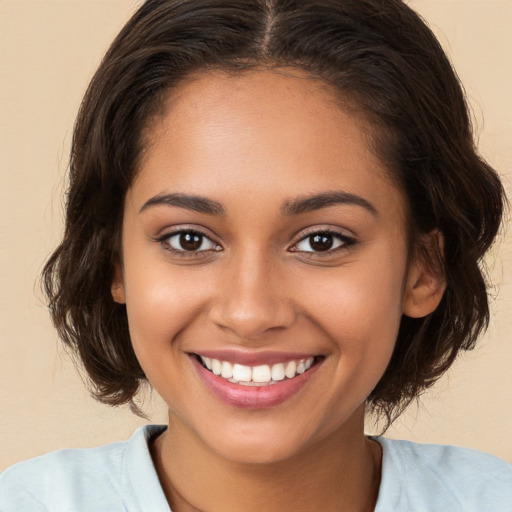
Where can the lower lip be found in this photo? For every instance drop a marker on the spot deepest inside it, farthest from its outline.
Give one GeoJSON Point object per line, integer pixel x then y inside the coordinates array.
{"type": "Point", "coordinates": [252, 397]}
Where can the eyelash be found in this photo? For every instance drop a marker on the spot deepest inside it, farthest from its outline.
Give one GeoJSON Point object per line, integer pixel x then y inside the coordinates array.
{"type": "Point", "coordinates": [165, 239]}
{"type": "Point", "coordinates": [345, 242]}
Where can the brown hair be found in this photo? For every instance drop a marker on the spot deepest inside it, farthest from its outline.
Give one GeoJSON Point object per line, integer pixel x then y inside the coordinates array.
{"type": "Point", "coordinates": [378, 53]}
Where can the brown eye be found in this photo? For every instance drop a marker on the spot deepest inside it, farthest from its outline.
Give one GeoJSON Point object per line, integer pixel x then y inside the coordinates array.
{"type": "Point", "coordinates": [321, 242]}
{"type": "Point", "coordinates": [189, 241]}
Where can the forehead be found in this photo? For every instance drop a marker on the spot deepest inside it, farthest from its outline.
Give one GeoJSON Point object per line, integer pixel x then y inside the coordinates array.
{"type": "Point", "coordinates": [276, 132]}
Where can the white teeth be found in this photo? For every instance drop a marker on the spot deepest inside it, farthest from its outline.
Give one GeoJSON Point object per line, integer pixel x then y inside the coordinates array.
{"type": "Point", "coordinates": [216, 366]}
{"type": "Point", "coordinates": [278, 372]}
{"type": "Point", "coordinates": [242, 373]}
{"type": "Point", "coordinates": [257, 375]}
{"type": "Point", "coordinates": [290, 369]}
{"type": "Point", "coordinates": [261, 373]}
{"type": "Point", "coordinates": [227, 370]}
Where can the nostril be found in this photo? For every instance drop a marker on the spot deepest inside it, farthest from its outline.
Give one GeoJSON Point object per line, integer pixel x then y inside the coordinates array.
{"type": "Point", "coordinates": [250, 318]}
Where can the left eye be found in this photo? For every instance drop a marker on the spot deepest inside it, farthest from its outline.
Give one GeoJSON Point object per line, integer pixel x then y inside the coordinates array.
{"type": "Point", "coordinates": [322, 242]}
{"type": "Point", "coordinates": [190, 241]}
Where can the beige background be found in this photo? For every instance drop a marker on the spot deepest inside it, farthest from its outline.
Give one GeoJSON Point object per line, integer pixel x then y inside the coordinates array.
{"type": "Point", "coordinates": [48, 52]}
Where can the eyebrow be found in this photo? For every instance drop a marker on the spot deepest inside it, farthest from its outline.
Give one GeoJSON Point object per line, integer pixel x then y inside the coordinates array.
{"type": "Point", "coordinates": [189, 202]}
{"type": "Point", "coordinates": [318, 201]}
{"type": "Point", "coordinates": [297, 206]}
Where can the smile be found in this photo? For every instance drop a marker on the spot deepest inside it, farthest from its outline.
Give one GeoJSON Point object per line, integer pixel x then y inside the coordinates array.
{"type": "Point", "coordinates": [261, 375]}
{"type": "Point", "coordinates": [255, 380]}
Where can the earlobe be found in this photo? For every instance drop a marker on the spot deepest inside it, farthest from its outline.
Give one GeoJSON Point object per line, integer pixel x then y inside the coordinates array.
{"type": "Point", "coordinates": [117, 286]}
{"type": "Point", "coordinates": [425, 281]}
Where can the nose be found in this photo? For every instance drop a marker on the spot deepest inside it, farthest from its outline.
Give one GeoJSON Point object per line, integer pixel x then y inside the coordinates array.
{"type": "Point", "coordinates": [251, 299]}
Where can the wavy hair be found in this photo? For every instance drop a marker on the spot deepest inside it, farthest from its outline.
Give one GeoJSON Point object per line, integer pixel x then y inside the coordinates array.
{"type": "Point", "coordinates": [377, 53]}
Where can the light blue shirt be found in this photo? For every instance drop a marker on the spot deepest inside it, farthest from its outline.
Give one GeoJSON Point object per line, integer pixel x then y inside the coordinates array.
{"type": "Point", "coordinates": [121, 477]}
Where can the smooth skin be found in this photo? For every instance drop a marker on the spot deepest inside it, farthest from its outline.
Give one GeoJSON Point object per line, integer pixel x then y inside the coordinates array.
{"type": "Point", "coordinates": [245, 274]}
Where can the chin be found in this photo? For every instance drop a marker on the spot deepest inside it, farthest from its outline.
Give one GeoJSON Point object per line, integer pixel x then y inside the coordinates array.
{"type": "Point", "coordinates": [259, 450]}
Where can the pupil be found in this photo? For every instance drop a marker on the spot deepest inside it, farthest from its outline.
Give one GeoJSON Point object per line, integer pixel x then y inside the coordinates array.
{"type": "Point", "coordinates": [190, 241]}
{"type": "Point", "coordinates": [321, 241]}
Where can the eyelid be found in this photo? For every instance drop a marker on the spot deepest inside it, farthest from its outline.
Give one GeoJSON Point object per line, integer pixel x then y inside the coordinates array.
{"type": "Point", "coordinates": [347, 241]}
{"type": "Point", "coordinates": [178, 230]}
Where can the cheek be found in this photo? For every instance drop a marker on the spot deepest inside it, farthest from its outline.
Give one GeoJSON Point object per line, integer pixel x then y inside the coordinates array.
{"type": "Point", "coordinates": [360, 309]}
{"type": "Point", "coordinates": [367, 297]}
{"type": "Point", "coordinates": [160, 304]}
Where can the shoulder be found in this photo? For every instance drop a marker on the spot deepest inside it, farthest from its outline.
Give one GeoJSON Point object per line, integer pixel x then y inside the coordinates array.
{"type": "Point", "coordinates": [79, 479]}
{"type": "Point", "coordinates": [444, 477]}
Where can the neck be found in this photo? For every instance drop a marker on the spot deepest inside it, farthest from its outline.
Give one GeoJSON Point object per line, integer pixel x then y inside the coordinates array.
{"type": "Point", "coordinates": [340, 473]}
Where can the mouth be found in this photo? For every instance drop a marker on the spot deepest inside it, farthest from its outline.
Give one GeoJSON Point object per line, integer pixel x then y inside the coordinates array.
{"type": "Point", "coordinates": [256, 386]}
{"type": "Point", "coordinates": [260, 375]}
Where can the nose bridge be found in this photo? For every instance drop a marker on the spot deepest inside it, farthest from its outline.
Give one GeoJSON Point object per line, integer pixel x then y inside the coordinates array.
{"type": "Point", "coordinates": [251, 298]}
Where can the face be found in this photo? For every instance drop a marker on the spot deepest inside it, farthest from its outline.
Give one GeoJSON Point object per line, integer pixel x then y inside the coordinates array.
{"type": "Point", "coordinates": [265, 269]}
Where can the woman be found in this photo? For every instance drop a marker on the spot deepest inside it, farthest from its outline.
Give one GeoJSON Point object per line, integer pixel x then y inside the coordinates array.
{"type": "Point", "coordinates": [276, 217]}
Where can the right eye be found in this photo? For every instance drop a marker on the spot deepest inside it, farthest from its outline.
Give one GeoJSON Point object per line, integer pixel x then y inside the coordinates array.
{"type": "Point", "coordinates": [188, 241]}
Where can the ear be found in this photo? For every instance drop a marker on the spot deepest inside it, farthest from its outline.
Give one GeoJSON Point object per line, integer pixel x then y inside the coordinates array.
{"type": "Point", "coordinates": [117, 286]}
{"type": "Point", "coordinates": [425, 284]}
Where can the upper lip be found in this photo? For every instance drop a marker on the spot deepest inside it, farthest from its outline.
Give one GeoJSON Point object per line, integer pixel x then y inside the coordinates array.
{"type": "Point", "coordinates": [254, 358]}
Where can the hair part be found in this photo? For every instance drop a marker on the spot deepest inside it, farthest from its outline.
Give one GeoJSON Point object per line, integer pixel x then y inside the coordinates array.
{"type": "Point", "coordinates": [377, 53]}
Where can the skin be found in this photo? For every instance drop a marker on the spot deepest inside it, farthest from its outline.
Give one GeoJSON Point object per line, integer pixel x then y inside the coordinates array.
{"type": "Point", "coordinates": [254, 143]}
